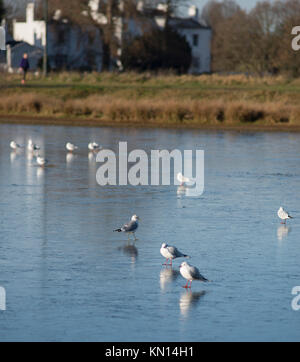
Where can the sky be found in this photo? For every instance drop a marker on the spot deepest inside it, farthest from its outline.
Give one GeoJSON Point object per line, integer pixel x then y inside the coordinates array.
{"type": "Point", "coordinates": [244, 4]}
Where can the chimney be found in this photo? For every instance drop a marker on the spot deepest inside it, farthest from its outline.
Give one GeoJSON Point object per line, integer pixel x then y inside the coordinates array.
{"type": "Point", "coordinates": [30, 13]}
{"type": "Point", "coordinates": [193, 11]}
{"type": "Point", "coordinates": [140, 5]}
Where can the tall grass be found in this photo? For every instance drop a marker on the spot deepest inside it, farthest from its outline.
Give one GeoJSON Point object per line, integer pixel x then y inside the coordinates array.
{"type": "Point", "coordinates": [162, 98]}
{"type": "Point", "coordinates": [142, 111]}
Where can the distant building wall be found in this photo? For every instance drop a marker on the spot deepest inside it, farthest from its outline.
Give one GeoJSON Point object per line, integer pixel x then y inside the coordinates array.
{"type": "Point", "coordinates": [15, 54]}
{"type": "Point", "coordinates": [69, 46]}
{"type": "Point", "coordinates": [32, 31]}
{"type": "Point", "coordinates": [199, 38]}
{"type": "Point", "coordinates": [200, 43]}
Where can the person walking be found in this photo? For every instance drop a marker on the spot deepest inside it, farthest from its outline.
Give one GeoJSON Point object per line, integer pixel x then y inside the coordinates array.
{"type": "Point", "coordinates": [24, 66]}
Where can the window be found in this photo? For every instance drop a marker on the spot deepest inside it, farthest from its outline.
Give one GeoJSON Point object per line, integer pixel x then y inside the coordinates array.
{"type": "Point", "coordinates": [195, 40]}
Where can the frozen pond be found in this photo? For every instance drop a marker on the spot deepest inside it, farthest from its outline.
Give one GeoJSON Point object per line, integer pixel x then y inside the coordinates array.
{"type": "Point", "coordinates": [68, 277]}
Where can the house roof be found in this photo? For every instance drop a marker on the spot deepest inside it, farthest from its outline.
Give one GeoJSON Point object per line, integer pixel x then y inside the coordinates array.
{"type": "Point", "coordinates": [188, 23]}
{"type": "Point", "coordinates": [22, 44]}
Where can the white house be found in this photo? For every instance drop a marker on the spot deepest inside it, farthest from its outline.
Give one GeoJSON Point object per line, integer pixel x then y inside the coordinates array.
{"type": "Point", "coordinates": [197, 34]}
{"type": "Point", "coordinates": [30, 31]}
{"type": "Point", "coordinates": [69, 46]}
{"type": "Point", "coordinates": [199, 38]}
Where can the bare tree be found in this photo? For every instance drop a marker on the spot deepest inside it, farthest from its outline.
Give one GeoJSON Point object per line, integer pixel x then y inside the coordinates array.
{"type": "Point", "coordinates": [215, 12]}
{"type": "Point", "coordinates": [109, 16]}
{"type": "Point", "coordinates": [257, 41]}
{"type": "Point", "coordinates": [288, 60]}
{"type": "Point", "coordinates": [15, 8]}
{"type": "Point", "coordinates": [2, 10]}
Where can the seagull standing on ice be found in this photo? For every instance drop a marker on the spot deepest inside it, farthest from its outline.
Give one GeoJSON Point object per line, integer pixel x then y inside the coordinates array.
{"type": "Point", "coordinates": [131, 227]}
{"type": "Point", "coordinates": [93, 146]}
{"type": "Point", "coordinates": [170, 252]}
{"type": "Point", "coordinates": [14, 145]}
{"type": "Point", "coordinates": [191, 273]}
{"type": "Point", "coordinates": [41, 161]}
{"type": "Point", "coordinates": [283, 215]}
{"type": "Point", "coordinates": [70, 147]}
{"type": "Point", "coordinates": [182, 179]}
{"type": "Point", "coordinates": [32, 147]}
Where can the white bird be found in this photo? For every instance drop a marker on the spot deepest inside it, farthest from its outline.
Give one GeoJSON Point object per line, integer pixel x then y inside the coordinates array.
{"type": "Point", "coordinates": [93, 146]}
{"type": "Point", "coordinates": [182, 179]}
{"type": "Point", "coordinates": [191, 273]}
{"type": "Point", "coordinates": [32, 147]}
{"type": "Point", "coordinates": [283, 215]}
{"type": "Point", "coordinates": [171, 252]}
{"type": "Point", "coordinates": [14, 145]}
{"type": "Point", "coordinates": [70, 147]}
{"type": "Point", "coordinates": [131, 227]}
{"type": "Point", "coordinates": [41, 161]}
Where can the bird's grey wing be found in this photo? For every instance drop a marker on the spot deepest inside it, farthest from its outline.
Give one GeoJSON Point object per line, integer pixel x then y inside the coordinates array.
{"type": "Point", "coordinates": [174, 251]}
{"type": "Point", "coordinates": [196, 274]}
{"type": "Point", "coordinates": [131, 226]}
{"type": "Point", "coordinates": [124, 227]}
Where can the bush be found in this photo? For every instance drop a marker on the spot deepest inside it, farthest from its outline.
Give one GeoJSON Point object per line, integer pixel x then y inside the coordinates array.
{"type": "Point", "coordinates": [157, 50]}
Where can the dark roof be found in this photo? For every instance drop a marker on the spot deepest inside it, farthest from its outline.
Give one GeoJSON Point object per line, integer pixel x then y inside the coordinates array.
{"type": "Point", "coordinates": [12, 43]}
{"type": "Point", "coordinates": [187, 23]}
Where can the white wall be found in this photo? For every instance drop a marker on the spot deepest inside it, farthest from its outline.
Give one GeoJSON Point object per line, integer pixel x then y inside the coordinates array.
{"type": "Point", "coordinates": [76, 50]}
{"type": "Point", "coordinates": [201, 54]}
{"type": "Point", "coordinates": [32, 32]}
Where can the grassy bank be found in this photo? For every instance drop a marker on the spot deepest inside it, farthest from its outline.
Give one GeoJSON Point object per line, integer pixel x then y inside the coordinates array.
{"type": "Point", "coordinates": [162, 100]}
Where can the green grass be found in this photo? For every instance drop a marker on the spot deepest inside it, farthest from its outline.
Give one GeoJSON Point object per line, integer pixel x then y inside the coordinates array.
{"type": "Point", "coordinates": [163, 99]}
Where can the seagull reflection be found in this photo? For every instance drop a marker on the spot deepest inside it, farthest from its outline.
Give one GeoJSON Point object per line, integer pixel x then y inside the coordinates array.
{"type": "Point", "coordinates": [283, 231]}
{"type": "Point", "coordinates": [91, 156]}
{"type": "Point", "coordinates": [181, 190]}
{"type": "Point", "coordinates": [130, 250]}
{"type": "Point", "coordinates": [189, 299]}
{"type": "Point", "coordinates": [167, 275]}
{"type": "Point", "coordinates": [32, 155]}
{"type": "Point", "coordinates": [184, 190]}
{"type": "Point", "coordinates": [13, 156]}
{"type": "Point", "coordinates": [70, 157]}
{"type": "Point", "coordinates": [40, 171]}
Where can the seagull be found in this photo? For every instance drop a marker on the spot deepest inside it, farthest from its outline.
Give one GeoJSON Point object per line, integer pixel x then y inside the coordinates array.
{"type": "Point", "coordinates": [14, 145]}
{"type": "Point", "coordinates": [170, 252]}
{"type": "Point", "coordinates": [131, 227]}
{"type": "Point", "coordinates": [283, 215]}
{"type": "Point", "coordinates": [32, 147]}
{"type": "Point", "coordinates": [182, 179]}
{"type": "Point", "coordinates": [93, 146]}
{"type": "Point", "coordinates": [70, 147]}
{"type": "Point", "coordinates": [191, 273]}
{"type": "Point", "coordinates": [41, 161]}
